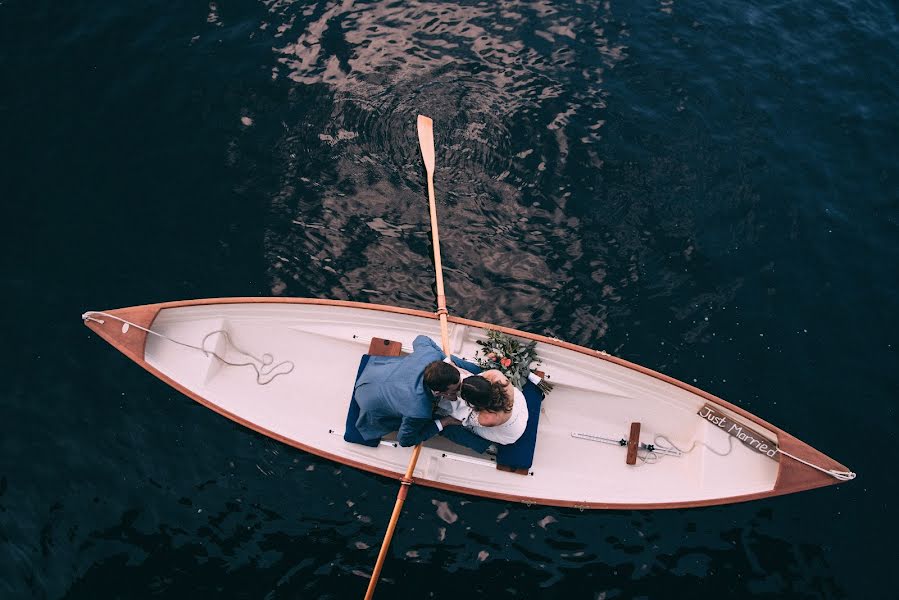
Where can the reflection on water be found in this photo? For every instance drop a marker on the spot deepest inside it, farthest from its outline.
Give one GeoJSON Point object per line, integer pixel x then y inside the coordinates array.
{"type": "Point", "coordinates": [511, 88]}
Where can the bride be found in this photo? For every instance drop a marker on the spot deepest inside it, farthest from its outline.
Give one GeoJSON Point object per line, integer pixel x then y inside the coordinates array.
{"type": "Point", "coordinates": [491, 407]}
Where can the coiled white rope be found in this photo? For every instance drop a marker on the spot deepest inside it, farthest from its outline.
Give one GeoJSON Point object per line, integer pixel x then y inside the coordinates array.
{"type": "Point", "coordinates": [265, 367]}
{"type": "Point", "coordinates": [730, 445]}
{"type": "Point", "coordinates": [650, 457]}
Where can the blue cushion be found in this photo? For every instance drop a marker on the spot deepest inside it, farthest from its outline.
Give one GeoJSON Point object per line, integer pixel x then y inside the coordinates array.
{"type": "Point", "coordinates": [351, 434]}
{"type": "Point", "coordinates": [519, 455]}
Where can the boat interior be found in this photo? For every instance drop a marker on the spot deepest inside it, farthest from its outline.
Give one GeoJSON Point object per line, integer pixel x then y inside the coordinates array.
{"type": "Point", "coordinates": [315, 351]}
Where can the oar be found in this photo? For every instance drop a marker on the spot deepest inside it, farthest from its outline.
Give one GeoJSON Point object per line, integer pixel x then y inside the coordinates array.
{"type": "Point", "coordinates": [426, 141]}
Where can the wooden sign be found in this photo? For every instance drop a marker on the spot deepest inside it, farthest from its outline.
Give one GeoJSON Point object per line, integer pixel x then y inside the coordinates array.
{"type": "Point", "coordinates": [751, 439]}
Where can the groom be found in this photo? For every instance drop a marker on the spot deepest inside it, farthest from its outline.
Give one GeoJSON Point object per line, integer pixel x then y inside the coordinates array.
{"type": "Point", "coordinates": [399, 395]}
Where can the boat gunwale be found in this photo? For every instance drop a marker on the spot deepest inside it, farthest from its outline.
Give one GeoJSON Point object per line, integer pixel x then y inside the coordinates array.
{"type": "Point", "coordinates": [789, 480]}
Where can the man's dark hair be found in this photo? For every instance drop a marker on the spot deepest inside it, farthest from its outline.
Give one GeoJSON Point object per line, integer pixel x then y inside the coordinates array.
{"type": "Point", "coordinates": [440, 375]}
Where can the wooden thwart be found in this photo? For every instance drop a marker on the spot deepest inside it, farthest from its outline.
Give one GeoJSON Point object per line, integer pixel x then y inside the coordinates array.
{"type": "Point", "coordinates": [633, 443]}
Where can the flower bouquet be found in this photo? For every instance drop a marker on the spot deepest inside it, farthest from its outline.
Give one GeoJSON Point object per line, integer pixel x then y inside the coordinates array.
{"type": "Point", "coordinates": [512, 358]}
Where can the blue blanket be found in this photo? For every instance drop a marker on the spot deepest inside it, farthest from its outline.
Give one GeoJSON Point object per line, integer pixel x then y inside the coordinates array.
{"type": "Point", "coordinates": [352, 434]}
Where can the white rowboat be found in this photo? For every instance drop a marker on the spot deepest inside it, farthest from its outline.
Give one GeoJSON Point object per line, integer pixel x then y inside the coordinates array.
{"type": "Point", "coordinates": [596, 397]}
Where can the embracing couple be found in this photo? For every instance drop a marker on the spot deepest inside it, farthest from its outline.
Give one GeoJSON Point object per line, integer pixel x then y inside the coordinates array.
{"type": "Point", "coordinates": [423, 395]}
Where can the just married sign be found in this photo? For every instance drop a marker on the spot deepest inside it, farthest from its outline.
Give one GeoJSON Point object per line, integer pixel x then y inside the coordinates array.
{"type": "Point", "coordinates": [751, 439]}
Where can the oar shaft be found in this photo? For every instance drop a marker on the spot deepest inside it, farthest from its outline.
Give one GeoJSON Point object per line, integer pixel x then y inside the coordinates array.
{"type": "Point", "coordinates": [438, 266]}
{"type": "Point", "coordinates": [435, 238]}
{"type": "Point", "coordinates": [394, 517]}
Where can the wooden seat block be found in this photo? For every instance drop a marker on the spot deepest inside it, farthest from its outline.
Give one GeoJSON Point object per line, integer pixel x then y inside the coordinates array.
{"type": "Point", "coordinates": [382, 347]}
{"type": "Point", "coordinates": [509, 469]}
{"type": "Point", "coordinates": [633, 442]}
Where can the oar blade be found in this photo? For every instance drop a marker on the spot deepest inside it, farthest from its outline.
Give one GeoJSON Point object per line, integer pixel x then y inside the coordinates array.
{"type": "Point", "coordinates": [426, 141]}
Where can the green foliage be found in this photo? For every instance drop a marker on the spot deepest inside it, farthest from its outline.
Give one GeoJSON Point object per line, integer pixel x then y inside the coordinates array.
{"type": "Point", "coordinates": [513, 358]}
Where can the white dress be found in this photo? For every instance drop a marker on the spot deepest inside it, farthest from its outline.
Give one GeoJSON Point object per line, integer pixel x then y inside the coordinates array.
{"type": "Point", "coordinates": [505, 433]}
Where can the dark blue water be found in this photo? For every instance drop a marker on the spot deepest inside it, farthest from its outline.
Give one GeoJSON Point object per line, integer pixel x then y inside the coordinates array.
{"type": "Point", "coordinates": [708, 189]}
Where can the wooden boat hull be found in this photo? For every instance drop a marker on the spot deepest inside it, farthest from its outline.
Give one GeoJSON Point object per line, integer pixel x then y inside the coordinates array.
{"type": "Point", "coordinates": [595, 393]}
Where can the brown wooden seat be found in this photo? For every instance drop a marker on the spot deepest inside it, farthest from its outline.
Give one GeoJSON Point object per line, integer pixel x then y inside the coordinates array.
{"type": "Point", "coordinates": [382, 347]}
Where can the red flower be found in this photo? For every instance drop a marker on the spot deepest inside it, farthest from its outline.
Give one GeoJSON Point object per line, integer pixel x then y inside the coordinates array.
{"type": "Point", "coordinates": [506, 362]}
{"type": "Point", "coordinates": [491, 356]}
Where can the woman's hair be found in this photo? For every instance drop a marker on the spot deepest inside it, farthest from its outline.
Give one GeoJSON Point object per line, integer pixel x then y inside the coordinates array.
{"type": "Point", "coordinates": [483, 395]}
{"type": "Point", "coordinates": [440, 375]}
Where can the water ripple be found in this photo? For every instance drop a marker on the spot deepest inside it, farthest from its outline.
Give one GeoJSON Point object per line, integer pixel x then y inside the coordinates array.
{"type": "Point", "coordinates": [511, 88]}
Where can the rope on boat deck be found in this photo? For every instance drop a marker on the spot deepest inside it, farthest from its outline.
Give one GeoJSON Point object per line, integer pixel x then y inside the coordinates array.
{"type": "Point", "coordinates": [649, 456]}
{"type": "Point", "coordinates": [268, 369]}
{"type": "Point", "coordinates": [652, 457]}
{"type": "Point", "coordinates": [840, 475]}
{"type": "Point", "coordinates": [730, 445]}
